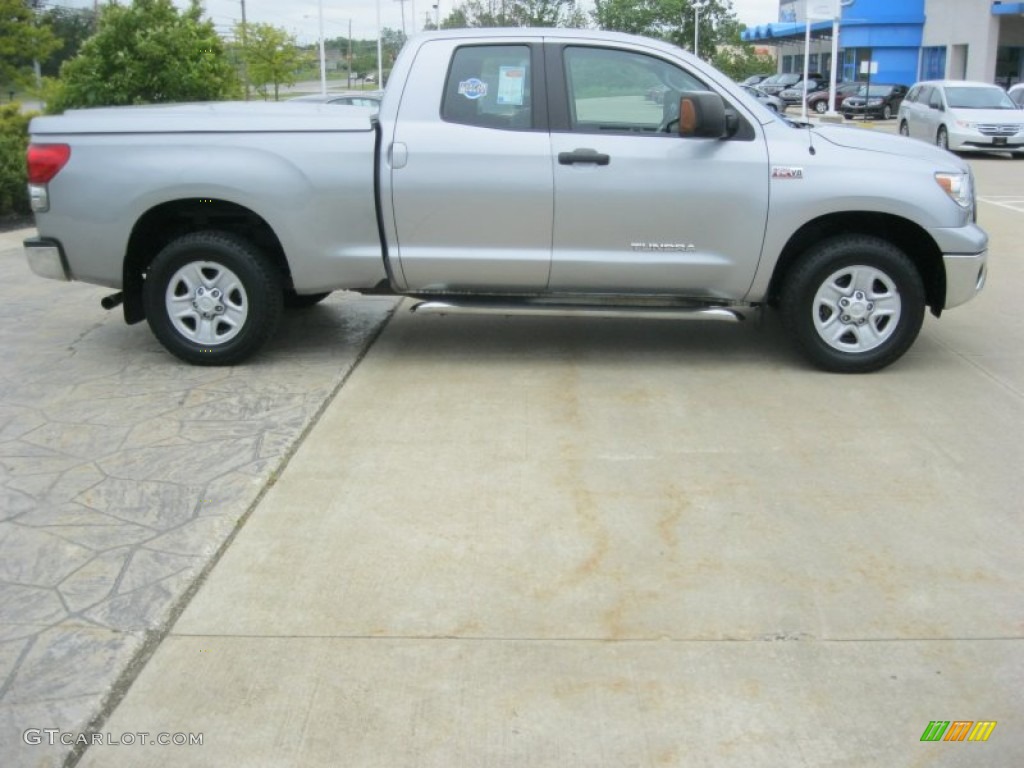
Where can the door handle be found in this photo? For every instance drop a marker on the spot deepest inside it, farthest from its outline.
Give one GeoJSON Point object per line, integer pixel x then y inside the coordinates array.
{"type": "Point", "coordinates": [583, 156]}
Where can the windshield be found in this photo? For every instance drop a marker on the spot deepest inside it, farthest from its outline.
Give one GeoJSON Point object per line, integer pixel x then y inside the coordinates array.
{"type": "Point", "coordinates": [978, 98]}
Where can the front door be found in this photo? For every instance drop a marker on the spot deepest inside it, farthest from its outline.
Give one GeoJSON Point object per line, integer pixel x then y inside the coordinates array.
{"type": "Point", "coordinates": [638, 208]}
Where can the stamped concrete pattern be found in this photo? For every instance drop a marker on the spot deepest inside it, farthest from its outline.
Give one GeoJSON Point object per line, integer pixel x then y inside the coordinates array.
{"type": "Point", "coordinates": [122, 474]}
{"type": "Point", "coordinates": [557, 542]}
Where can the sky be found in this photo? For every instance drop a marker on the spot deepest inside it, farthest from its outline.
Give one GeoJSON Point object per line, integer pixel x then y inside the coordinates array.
{"type": "Point", "coordinates": [300, 17]}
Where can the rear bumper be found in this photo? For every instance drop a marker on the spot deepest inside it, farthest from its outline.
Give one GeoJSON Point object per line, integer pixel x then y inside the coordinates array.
{"type": "Point", "coordinates": [46, 258]}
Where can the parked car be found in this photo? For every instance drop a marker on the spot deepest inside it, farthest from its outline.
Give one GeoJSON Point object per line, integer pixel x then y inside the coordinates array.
{"type": "Point", "coordinates": [776, 83]}
{"type": "Point", "coordinates": [963, 116]}
{"type": "Point", "coordinates": [774, 103]}
{"type": "Point", "coordinates": [755, 79]}
{"type": "Point", "coordinates": [795, 94]}
{"type": "Point", "coordinates": [346, 98]}
{"type": "Point", "coordinates": [874, 101]}
{"type": "Point", "coordinates": [1016, 93]}
{"type": "Point", "coordinates": [818, 101]}
{"type": "Point", "coordinates": [785, 81]}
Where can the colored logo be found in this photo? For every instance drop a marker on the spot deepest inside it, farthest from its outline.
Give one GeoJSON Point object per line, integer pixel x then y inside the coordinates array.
{"type": "Point", "coordinates": [958, 730]}
{"type": "Point", "coordinates": [474, 88]}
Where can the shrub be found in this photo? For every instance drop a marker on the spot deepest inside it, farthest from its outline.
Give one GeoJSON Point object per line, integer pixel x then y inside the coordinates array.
{"type": "Point", "coordinates": [13, 144]}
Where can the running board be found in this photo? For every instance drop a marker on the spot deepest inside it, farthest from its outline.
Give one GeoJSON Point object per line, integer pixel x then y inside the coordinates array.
{"type": "Point", "coordinates": [545, 308]}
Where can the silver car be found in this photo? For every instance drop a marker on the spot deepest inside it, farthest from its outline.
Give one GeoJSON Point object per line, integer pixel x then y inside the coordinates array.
{"type": "Point", "coordinates": [774, 103]}
{"type": "Point", "coordinates": [963, 116]}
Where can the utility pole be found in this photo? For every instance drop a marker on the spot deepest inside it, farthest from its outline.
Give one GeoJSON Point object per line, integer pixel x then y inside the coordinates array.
{"type": "Point", "coordinates": [402, 3]}
{"type": "Point", "coordinates": [245, 53]}
{"type": "Point", "coordinates": [323, 54]}
{"type": "Point", "coordinates": [350, 54]}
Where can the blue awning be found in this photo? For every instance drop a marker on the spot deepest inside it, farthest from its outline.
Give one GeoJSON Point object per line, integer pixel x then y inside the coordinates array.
{"type": "Point", "coordinates": [786, 30]}
{"type": "Point", "coordinates": [1007, 9]}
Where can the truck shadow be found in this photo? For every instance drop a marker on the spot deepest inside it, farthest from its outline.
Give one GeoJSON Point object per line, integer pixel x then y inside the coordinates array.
{"type": "Point", "coordinates": [458, 338]}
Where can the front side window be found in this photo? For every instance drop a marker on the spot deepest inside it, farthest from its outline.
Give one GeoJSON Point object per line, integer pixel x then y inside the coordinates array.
{"type": "Point", "coordinates": [619, 91]}
{"type": "Point", "coordinates": [489, 86]}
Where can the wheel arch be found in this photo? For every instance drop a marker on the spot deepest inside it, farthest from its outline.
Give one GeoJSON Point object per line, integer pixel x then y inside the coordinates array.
{"type": "Point", "coordinates": [909, 237]}
{"type": "Point", "coordinates": [170, 220]}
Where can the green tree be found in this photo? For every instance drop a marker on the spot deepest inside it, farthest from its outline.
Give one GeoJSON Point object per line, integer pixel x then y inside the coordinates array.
{"type": "Point", "coordinates": [13, 143]}
{"type": "Point", "coordinates": [72, 27]}
{"type": "Point", "coordinates": [739, 61]}
{"type": "Point", "coordinates": [22, 41]}
{"type": "Point", "coordinates": [145, 53]}
{"type": "Point", "coordinates": [515, 13]}
{"type": "Point", "coordinates": [671, 20]}
{"type": "Point", "coordinates": [272, 56]}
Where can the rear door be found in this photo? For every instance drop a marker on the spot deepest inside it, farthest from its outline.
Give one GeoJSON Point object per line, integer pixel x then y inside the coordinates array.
{"type": "Point", "coordinates": [638, 208]}
{"type": "Point", "coordinates": [470, 170]}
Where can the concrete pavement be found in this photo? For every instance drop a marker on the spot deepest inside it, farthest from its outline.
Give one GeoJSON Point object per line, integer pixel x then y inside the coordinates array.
{"type": "Point", "coordinates": [555, 542]}
{"type": "Point", "coordinates": [122, 474]}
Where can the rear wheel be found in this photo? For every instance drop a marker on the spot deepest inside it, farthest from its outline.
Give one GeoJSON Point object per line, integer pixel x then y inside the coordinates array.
{"type": "Point", "coordinates": [821, 107]}
{"type": "Point", "coordinates": [854, 304]}
{"type": "Point", "coordinates": [212, 298]}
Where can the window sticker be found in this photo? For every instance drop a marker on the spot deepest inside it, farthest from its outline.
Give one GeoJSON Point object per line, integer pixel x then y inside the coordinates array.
{"type": "Point", "coordinates": [473, 89]}
{"type": "Point", "coordinates": [511, 85]}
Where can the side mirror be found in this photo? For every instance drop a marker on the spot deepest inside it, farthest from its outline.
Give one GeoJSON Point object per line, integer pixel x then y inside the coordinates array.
{"type": "Point", "coordinates": [703, 115]}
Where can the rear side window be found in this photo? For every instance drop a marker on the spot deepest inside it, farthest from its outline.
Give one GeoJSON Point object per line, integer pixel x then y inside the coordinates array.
{"type": "Point", "coordinates": [489, 86]}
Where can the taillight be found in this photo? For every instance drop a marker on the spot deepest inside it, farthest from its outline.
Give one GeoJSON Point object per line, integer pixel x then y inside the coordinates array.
{"type": "Point", "coordinates": [45, 161]}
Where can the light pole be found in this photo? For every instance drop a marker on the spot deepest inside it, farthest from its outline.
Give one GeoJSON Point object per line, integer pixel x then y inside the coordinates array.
{"type": "Point", "coordinates": [380, 63]}
{"type": "Point", "coordinates": [696, 28]}
{"type": "Point", "coordinates": [323, 55]}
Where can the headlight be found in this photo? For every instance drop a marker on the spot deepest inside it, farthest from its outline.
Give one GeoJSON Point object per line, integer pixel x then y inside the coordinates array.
{"type": "Point", "coordinates": [874, 102]}
{"type": "Point", "coordinates": [957, 186]}
{"type": "Point", "coordinates": [966, 124]}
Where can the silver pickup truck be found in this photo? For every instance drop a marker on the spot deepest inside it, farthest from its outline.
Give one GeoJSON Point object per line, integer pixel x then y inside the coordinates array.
{"type": "Point", "coordinates": [530, 171]}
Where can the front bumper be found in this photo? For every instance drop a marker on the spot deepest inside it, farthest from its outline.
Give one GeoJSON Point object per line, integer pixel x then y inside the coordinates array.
{"type": "Point", "coordinates": [46, 258]}
{"type": "Point", "coordinates": [965, 277]}
{"type": "Point", "coordinates": [974, 141]}
{"type": "Point", "coordinates": [851, 112]}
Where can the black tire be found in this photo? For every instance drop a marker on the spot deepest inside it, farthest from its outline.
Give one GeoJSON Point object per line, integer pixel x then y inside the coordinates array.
{"type": "Point", "coordinates": [887, 112]}
{"type": "Point", "coordinates": [821, 107]}
{"type": "Point", "coordinates": [884, 296]}
{"type": "Point", "coordinates": [294, 300]}
{"type": "Point", "coordinates": [904, 129]}
{"type": "Point", "coordinates": [212, 298]}
{"type": "Point", "coordinates": [942, 138]}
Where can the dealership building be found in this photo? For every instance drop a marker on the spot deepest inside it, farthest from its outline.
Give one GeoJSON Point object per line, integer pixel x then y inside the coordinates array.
{"type": "Point", "coordinates": [902, 41]}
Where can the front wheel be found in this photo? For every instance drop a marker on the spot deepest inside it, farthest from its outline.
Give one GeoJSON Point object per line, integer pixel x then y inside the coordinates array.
{"type": "Point", "coordinates": [212, 298]}
{"type": "Point", "coordinates": [821, 107]}
{"type": "Point", "coordinates": [942, 137]}
{"type": "Point", "coordinates": [887, 112]}
{"type": "Point", "coordinates": [854, 304]}
{"type": "Point", "coordinates": [904, 129]}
